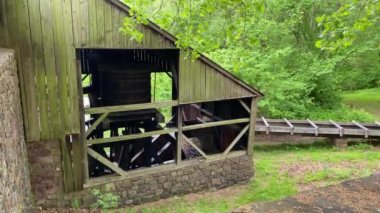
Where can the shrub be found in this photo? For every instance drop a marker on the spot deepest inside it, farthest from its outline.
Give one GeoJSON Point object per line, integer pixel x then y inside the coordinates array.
{"type": "Point", "coordinates": [106, 200]}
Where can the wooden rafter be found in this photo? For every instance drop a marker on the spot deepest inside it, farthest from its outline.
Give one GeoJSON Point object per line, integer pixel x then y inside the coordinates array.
{"type": "Point", "coordinates": [315, 126]}
{"type": "Point", "coordinates": [206, 112]}
{"type": "Point", "coordinates": [244, 105]}
{"type": "Point", "coordinates": [290, 125]}
{"type": "Point", "coordinates": [194, 146]}
{"type": "Point", "coordinates": [95, 124]}
{"type": "Point", "coordinates": [339, 127]}
{"type": "Point", "coordinates": [131, 107]}
{"type": "Point", "coordinates": [214, 124]}
{"type": "Point", "coordinates": [105, 161]}
{"type": "Point", "coordinates": [233, 143]}
{"type": "Point", "coordinates": [362, 127]}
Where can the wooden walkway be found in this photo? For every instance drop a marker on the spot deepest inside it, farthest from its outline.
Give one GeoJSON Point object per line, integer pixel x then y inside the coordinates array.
{"type": "Point", "coordinates": [318, 128]}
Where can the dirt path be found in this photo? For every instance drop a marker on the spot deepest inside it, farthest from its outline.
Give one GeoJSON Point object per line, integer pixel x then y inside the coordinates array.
{"type": "Point", "coordinates": [360, 195]}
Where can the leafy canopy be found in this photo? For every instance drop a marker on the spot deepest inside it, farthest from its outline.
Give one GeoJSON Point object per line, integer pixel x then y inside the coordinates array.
{"type": "Point", "coordinates": [300, 53]}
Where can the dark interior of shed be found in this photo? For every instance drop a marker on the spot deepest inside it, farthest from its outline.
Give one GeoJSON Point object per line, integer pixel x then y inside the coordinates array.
{"type": "Point", "coordinates": [113, 77]}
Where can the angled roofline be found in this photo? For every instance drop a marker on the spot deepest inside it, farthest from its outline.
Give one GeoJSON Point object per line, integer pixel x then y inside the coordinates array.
{"type": "Point", "coordinates": [202, 57]}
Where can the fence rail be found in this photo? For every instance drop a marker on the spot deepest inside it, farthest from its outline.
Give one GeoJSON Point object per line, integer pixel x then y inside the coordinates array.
{"type": "Point", "coordinates": [318, 128]}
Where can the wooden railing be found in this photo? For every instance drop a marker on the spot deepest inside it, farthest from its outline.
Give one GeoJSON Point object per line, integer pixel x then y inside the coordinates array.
{"type": "Point", "coordinates": [105, 111]}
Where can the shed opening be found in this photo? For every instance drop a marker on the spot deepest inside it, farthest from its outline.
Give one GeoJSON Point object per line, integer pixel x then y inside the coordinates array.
{"type": "Point", "coordinates": [132, 91]}
{"type": "Point", "coordinates": [133, 118]}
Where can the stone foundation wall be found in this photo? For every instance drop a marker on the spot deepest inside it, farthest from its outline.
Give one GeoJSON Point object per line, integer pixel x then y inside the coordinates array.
{"type": "Point", "coordinates": [163, 184]}
{"type": "Point", "coordinates": [46, 175]}
{"type": "Point", "coordinates": [14, 176]}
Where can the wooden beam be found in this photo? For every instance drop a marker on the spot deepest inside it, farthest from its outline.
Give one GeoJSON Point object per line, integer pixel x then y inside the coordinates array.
{"type": "Point", "coordinates": [200, 120]}
{"type": "Point", "coordinates": [252, 126]}
{"type": "Point", "coordinates": [208, 113]}
{"type": "Point", "coordinates": [131, 107]}
{"type": "Point", "coordinates": [214, 124]}
{"type": "Point", "coordinates": [290, 125]}
{"type": "Point", "coordinates": [233, 143]}
{"type": "Point", "coordinates": [105, 162]}
{"type": "Point", "coordinates": [266, 124]}
{"type": "Point", "coordinates": [130, 137]}
{"type": "Point", "coordinates": [339, 127]}
{"type": "Point", "coordinates": [195, 146]}
{"type": "Point", "coordinates": [362, 127]}
{"type": "Point", "coordinates": [179, 136]}
{"type": "Point", "coordinates": [314, 125]}
{"type": "Point", "coordinates": [244, 105]}
{"type": "Point", "coordinates": [95, 124]}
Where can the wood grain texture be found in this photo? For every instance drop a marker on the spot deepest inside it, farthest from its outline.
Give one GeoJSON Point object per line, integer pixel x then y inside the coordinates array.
{"type": "Point", "coordinates": [27, 66]}
{"type": "Point", "coordinates": [45, 35]}
{"type": "Point", "coordinates": [39, 67]}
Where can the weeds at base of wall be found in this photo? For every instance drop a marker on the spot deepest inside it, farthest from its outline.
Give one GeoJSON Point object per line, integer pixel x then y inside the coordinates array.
{"type": "Point", "coordinates": [105, 200]}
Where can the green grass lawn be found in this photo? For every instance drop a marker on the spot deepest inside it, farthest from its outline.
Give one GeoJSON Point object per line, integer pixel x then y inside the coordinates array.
{"type": "Point", "coordinates": [367, 99]}
{"type": "Point", "coordinates": [280, 171]}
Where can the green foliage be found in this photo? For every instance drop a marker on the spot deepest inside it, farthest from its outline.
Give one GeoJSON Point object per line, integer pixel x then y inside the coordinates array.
{"type": "Point", "coordinates": [361, 146]}
{"type": "Point", "coordinates": [75, 203]}
{"type": "Point", "coordinates": [366, 99]}
{"type": "Point", "coordinates": [342, 113]}
{"type": "Point", "coordinates": [162, 91]}
{"type": "Point", "coordinates": [269, 184]}
{"type": "Point", "coordinates": [301, 54]}
{"type": "Point", "coordinates": [328, 175]}
{"type": "Point", "coordinates": [106, 200]}
{"type": "Point", "coordinates": [273, 182]}
{"type": "Point", "coordinates": [344, 26]}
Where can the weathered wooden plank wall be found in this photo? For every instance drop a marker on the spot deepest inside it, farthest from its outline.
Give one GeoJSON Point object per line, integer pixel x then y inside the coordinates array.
{"type": "Point", "coordinates": [200, 82]}
{"type": "Point", "coordinates": [45, 33]}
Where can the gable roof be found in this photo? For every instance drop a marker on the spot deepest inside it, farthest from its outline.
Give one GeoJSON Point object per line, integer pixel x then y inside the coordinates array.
{"type": "Point", "coordinates": [202, 57]}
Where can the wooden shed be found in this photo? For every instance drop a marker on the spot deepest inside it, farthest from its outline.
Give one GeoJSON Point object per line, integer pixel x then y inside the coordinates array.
{"type": "Point", "coordinates": [91, 88]}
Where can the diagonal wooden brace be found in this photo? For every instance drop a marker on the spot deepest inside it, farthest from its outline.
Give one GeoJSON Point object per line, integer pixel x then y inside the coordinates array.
{"type": "Point", "coordinates": [195, 146]}
{"type": "Point", "coordinates": [233, 143]}
{"type": "Point", "coordinates": [105, 162]}
{"type": "Point", "coordinates": [96, 124]}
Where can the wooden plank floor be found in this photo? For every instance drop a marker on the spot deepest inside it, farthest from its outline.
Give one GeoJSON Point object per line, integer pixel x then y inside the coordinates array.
{"type": "Point", "coordinates": [318, 128]}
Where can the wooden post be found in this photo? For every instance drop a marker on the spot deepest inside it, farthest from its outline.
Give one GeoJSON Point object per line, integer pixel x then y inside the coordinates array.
{"type": "Point", "coordinates": [68, 176]}
{"type": "Point", "coordinates": [252, 126]}
{"type": "Point", "coordinates": [82, 137]}
{"type": "Point", "coordinates": [179, 135]}
{"type": "Point", "coordinates": [339, 143]}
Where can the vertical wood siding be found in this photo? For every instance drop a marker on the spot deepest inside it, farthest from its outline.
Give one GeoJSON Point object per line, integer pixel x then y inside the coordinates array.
{"type": "Point", "coordinates": [45, 33]}
{"type": "Point", "coordinates": [200, 82]}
